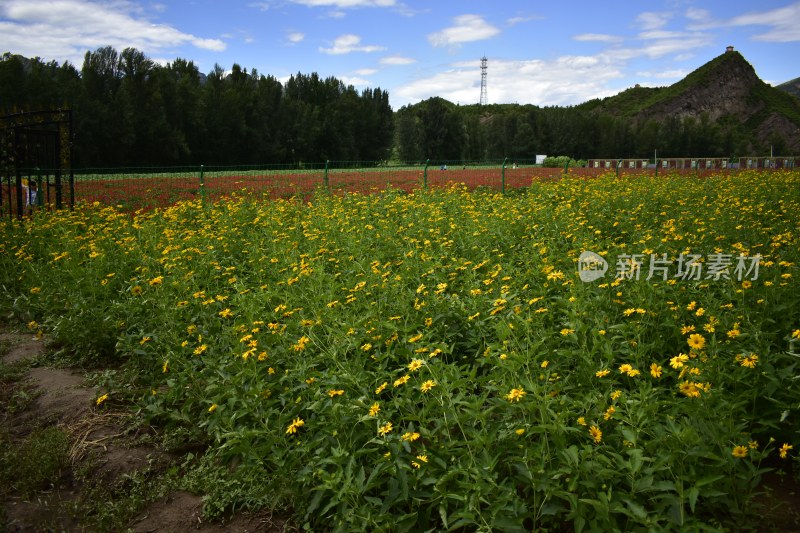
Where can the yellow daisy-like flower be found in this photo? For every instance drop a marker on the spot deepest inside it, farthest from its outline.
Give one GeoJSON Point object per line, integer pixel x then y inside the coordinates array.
{"type": "Point", "coordinates": [428, 385]}
{"type": "Point", "coordinates": [740, 452]}
{"type": "Point", "coordinates": [602, 373]}
{"type": "Point", "coordinates": [409, 436]}
{"type": "Point", "coordinates": [696, 341]}
{"type": "Point", "coordinates": [749, 361]}
{"type": "Point", "coordinates": [374, 409]}
{"type": "Point", "coordinates": [136, 290]}
{"type": "Point", "coordinates": [655, 370]}
{"type": "Point", "coordinates": [520, 431]}
{"type": "Point", "coordinates": [581, 421]}
{"type": "Point", "coordinates": [544, 363]}
{"type": "Point", "coordinates": [226, 313]}
{"type": "Point", "coordinates": [401, 380]}
{"type": "Point", "coordinates": [212, 408]}
{"type": "Point", "coordinates": [596, 434]}
{"type": "Point", "coordinates": [101, 399]}
{"type": "Point", "coordinates": [423, 458]}
{"type": "Point", "coordinates": [335, 392]}
{"type": "Point", "coordinates": [616, 394]}
{"type": "Point", "coordinates": [156, 281]}
{"type": "Point", "coordinates": [381, 387]}
{"type": "Point", "coordinates": [515, 395]}
{"type": "Point", "coordinates": [566, 331]}
{"type": "Point", "coordinates": [296, 424]}
{"type": "Point", "coordinates": [784, 450]}
{"type": "Point", "coordinates": [415, 364]}
{"type": "Point", "coordinates": [385, 429]}
{"type": "Point", "coordinates": [796, 334]}
{"type": "Point", "coordinates": [624, 369]}
{"type": "Point", "coordinates": [677, 361]}
{"type": "Point", "coordinates": [609, 412]}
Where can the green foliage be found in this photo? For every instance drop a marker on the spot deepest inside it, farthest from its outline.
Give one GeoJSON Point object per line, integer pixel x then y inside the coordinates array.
{"type": "Point", "coordinates": [34, 464]}
{"type": "Point", "coordinates": [562, 161]}
{"type": "Point", "coordinates": [433, 361]}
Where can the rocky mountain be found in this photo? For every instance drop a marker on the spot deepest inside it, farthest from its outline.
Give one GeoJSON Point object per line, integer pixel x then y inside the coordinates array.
{"type": "Point", "coordinates": [792, 87]}
{"type": "Point", "coordinates": [726, 91]}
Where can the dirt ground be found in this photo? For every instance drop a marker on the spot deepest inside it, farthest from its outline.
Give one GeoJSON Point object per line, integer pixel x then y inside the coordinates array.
{"type": "Point", "coordinates": [100, 441]}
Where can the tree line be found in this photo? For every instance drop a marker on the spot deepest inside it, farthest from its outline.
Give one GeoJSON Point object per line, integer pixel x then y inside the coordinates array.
{"type": "Point", "coordinates": [130, 111]}
{"type": "Point", "coordinates": [440, 130]}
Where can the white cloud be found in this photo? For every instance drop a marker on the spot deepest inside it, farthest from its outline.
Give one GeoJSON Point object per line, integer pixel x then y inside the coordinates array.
{"type": "Point", "coordinates": [599, 37]}
{"type": "Point", "coordinates": [652, 21]}
{"type": "Point", "coordinates": [344, 4]}
{"type": "Point", "coordinates": [564, 81]}
{"type": "Point", "coordinates": [354, 81]}
{"type": "Point", "coordinates": [295, 37]}
{"type": "Point", "coordinates": [698, 15]}
{"type": "Point", "coordinates": [397, 60]}
{"type": "Point", "coordinates": [365, 71]}
{"type": "Point", "coordinates": [261, 6]}
{"type": "Point", "coordinates": [784, 23]}
{"type": "Point", "coordinates": [466, 28]}
{"type": "Point", "coordinates": [66, 29]}
{"type": "Point", "coordinates": [665, 74]}
{"type": "Point", "coordinates": [513, 21]}
{"type": "Point", "coordinates": [348, 43]}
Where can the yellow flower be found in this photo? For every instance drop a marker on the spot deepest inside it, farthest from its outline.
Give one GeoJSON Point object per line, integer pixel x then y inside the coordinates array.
{"type": "Point", "coordinates": [428, 385]}
{"type": "Point", "coordinates": [226, 313]}
{"type": "Point", "coordinates": [423, 458]}
{"type": "Point", "coordinates": [566, 331]}
{"type": "Point", "coordinates": [544, 363]}
{"type": "Point", "coordinates": [136, 290]}
{"type": "Point", "coordinates": [696, 341]}
{"type": "Point", "coordinates": [753, 445]}
{"type": "Point", "coordinates": [515, 395]}
{"type": "Point", "coordinates": [689, 389]}
{"type": "Point", "coordinates": [101, 399]}
{"type": "Point", "coordinates": [687, 329]}
{"type": "Point", "coordinates": [520, 431]}
{"type": "Point", "coordinates": [609, 412]}
{"type": "Point", "coordinates": [624, 369]}
{"type": "Point", "coordinates": [655, 370]}
{"type": "Point", "coordinates": [581, 421]}
{"type": "Point", "coordinates": [596, 434]}
{"type": "Point", "coordinates": [796, 334]}
{"type": "Point", "coordinates": [602, 373]}
{"type": "Point", "coordinates": [200, 349]}
{"type": "Point", "coordinates": [784, 450]}
{"type": "Point", "coordinates": [381, 387]}
{"type": "Point", "coordinates": [335, 392]}
{"type": "Point", "coordinates": [384, 429]}
{"type": "Point", "coordinates": [144, 340]}
{"type": "Point", "coordinates": [409, 436]}
{"type": "Point", "coordinates": [165, 366]}
{"type": "Point", "coordinates": [212, 408]}
{"type": "Point", "coordinates": [401, 380]}
{"type": "Point", "coordinates": [740, 452]}
{"type": "Point", "coordinates": [374, 409]}
{"type": "Point", "coordinates": [616, 394]}
{"type": "Point", "coordinates": [37, 290]}
{"type": "Point", "coordinates": [156, 281]}
{"type": "Point", "coordinates": [749, 361]}
{"type": "Point", "coordinates": [415, 365]}
{"type": "Point", "coordinates": [294, 426]}
{"type": "Point", "coordinates": [677, 361]}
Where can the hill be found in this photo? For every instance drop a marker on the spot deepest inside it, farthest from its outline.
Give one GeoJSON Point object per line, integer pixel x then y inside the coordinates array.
{"type": "Point", "coordinates": [725, 91]}
{"type": "Point", "coordinates": [792, 87]}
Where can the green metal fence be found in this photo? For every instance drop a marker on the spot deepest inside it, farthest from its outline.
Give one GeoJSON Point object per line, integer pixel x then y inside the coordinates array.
{"type": "Point", "coordinates": [132, 189]}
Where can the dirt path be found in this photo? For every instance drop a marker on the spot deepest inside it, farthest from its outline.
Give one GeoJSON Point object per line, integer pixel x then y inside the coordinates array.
{"type": "Point", "coordinates": [64, 462]}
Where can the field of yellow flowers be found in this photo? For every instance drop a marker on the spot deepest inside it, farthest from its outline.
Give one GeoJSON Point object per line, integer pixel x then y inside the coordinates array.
{"type": "Point", "coordinates": [434, 360]}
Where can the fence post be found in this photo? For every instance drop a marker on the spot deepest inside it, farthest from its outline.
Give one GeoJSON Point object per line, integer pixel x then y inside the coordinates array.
{"type": "Point", "coordinates": [39, 197]}
{"type": "Point", "coordinates": [656, 167]}
{"type": "Point", "coordinates": [619, 162]}
{"type": "Point", "coordinates": [325, 178]}
{"type": "Point", "coordinates": [503, 177]}
{"type": "Point", "coordinates": [202, 186]}
{"type": "Point", "coordinates": [425, 174]}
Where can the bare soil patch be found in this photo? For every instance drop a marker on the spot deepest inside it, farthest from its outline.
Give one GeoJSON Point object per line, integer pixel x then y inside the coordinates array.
{"type": "Point", "coordinates": [103, 456]}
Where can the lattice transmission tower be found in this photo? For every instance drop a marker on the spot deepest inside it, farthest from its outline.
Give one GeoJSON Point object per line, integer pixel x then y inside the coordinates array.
{"type": "Point", "coordinates": [484, 67]}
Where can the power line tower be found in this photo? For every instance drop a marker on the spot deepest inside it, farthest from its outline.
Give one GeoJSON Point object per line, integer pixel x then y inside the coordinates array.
{"type": "Point", "coordinates": [484, 67]}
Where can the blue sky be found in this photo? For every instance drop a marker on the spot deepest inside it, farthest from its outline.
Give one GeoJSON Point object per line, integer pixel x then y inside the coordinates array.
{"type": "Point", "coordinates": [542, 53]}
